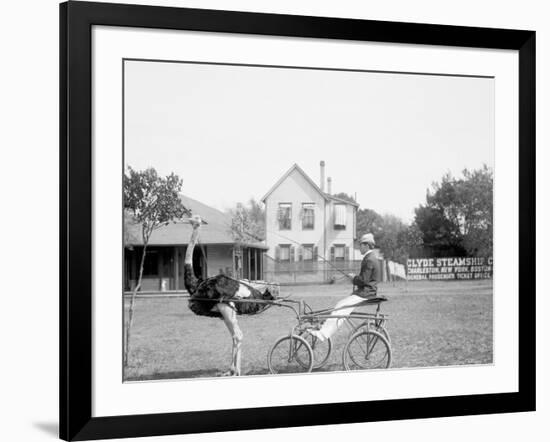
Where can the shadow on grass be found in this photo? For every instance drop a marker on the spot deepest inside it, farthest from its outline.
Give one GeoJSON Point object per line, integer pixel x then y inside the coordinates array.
{"type": "Point", "coordinates": [180, 374]}
{"type": "Point", "coordinates": [183, 374]}
{"type": "Point", "coordinates": [190, 374]}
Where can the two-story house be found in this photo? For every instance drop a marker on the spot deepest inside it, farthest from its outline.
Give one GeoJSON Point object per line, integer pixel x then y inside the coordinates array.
{"type": "Point", "coordinates": [306, 224]}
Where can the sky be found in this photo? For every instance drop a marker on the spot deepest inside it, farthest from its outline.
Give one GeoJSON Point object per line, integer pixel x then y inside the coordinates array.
{"type": "Point", "coordinates": [230, 132]}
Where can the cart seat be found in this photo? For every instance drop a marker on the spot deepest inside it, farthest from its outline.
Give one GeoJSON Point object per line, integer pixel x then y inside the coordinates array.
{"type": "Point", "coordinates": [374, 300]}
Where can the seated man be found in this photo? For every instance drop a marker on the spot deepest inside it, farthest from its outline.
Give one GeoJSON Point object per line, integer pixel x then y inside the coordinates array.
{"type": "Point", "coordinates": [366, 283]}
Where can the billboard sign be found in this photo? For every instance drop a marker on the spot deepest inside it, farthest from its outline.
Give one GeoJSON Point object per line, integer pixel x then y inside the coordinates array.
{"type": "Point", "coordinates": [449, 268]}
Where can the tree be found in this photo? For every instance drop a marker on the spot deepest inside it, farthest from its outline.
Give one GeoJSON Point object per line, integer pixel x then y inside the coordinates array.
{"type": "Point", "coordinates": [153, 202]}
{"type": "Point", "coordinates": [130, 237]}
{"type": "Point", "coordinates": [393, 237]}
{"type": "Point", "coordinates": [458, 214]}
{"type": "Point", "coordinates": [477, 217]}
{"type": "Point", "coordinates": [438, 233]}
{"type": "Point", "coordinates": [345, 196]}
{"type": "Point", "coordinates": [369, 221]}
{"type": "Point", "coordinates": [410, 240]}
{"type": "Point", "coordinates": [248, 221]}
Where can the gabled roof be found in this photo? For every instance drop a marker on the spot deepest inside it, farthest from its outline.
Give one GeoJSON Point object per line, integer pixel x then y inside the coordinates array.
{"type": "Point", "coordinates": [310, 181]}
{"type": "Point", "coordinates": [285, 176]}
{"type": "Point", "coordinates": [215, 231]}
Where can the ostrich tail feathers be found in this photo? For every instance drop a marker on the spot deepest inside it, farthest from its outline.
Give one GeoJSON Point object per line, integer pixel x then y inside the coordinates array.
{"type": "Point", "coordinates": [253, 308]}
{"type": "Point", "coordinates": [268, 296]}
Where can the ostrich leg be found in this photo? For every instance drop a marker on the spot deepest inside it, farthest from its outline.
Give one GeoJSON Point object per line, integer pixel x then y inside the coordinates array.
{"type": "Point", "coordinates": [230, 319]}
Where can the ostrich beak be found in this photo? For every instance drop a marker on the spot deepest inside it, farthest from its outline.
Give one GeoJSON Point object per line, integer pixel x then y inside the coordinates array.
{"type": "Point", "coordinates": [195, 219]}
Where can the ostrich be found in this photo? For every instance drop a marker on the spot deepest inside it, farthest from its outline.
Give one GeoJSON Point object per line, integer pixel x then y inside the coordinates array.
{"type": "Point", "coordinates": [213, 297]}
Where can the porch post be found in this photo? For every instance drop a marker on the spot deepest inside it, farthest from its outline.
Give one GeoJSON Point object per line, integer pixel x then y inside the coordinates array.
{"type": "Point", "coordinates": [176, 269]}
{"type": "Point", "coordinates": [249, 269]}
{"type": "Point", "coordinates": [256, 263]}
{"type": "Point", "coordinates": [262, 256]}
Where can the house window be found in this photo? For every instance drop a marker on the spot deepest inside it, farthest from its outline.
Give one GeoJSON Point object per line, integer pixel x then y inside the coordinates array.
{"type": "Point", "coordinates": [285, 216]}
{"type": "Point", "coordinates": [308, 252]}
{"type": "Point", "coordinates": [284, 253]}
{"type": "Point", "coordinates": [339, 252]}
{"type": "Point", "coordinates": [308, 216]}
{"type": "Point", "coordinates": [340, 216]}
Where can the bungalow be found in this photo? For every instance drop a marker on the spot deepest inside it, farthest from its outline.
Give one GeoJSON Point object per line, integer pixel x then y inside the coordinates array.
{"type": "Point", "coordinates": [217, 252]}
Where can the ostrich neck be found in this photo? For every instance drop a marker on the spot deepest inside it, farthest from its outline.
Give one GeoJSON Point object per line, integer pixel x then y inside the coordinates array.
{"type": "Point", "coordinates": [191, 246]}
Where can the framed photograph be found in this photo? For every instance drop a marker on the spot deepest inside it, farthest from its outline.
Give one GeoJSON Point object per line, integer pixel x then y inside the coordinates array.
{"type": "Point", "coordinates": [272, 220]}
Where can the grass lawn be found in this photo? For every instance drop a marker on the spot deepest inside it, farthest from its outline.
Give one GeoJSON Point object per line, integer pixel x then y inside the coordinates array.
{"type": "Point", "coordinates": [431, 324]}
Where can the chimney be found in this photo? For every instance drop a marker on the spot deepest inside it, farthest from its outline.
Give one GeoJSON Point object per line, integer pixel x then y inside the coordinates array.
{"type": "Point", "coordinates": [322, 176]}
{"type": "Point", "coordinates": [329, 185]}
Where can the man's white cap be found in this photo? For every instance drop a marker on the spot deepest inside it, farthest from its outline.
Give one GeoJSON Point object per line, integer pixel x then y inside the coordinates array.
{"type": "Point", "coordinates": [368, 238]}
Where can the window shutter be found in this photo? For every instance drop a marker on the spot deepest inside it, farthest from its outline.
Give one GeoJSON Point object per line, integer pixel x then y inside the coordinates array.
{"type": "Point", "coordinates": [292, 249]}
{"type": "Point", "coordinates": [315, 254]}
{"type": "Point", "coordinates": [300, 253]}
{"type": "Point", "coordinates": [346, 254]}
{"type": "Point", "coordinates": [339, 214]}
{"type": "Point", "coordinates": [332, 253]}
{"type": "Point", "coordinates": [277, 253]}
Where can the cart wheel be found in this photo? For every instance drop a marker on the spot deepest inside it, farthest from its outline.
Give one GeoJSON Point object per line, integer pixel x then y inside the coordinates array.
{"type": "Point", "coordinates": [384, 331]}
{"type": "Point", "coordinates": [367, 349]}
{"type": "Point", "coordinates": [290, 354]}
{"type": "Point", "coordinates": [321, 349]}
{"type": "Point", "coordinates": [378, 328]}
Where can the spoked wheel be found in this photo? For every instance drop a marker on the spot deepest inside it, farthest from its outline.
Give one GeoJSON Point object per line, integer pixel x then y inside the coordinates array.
{"type": "Point", "coordinates": [367, 349]}
{"type": "Point", "coordinates": [321, 349]}
{"type": "Point", "coordinates": [377, 326]}
{"type": "Point", "coordinates": [384, 331]}
{"type": "Point", "coordinates": [290, 354]}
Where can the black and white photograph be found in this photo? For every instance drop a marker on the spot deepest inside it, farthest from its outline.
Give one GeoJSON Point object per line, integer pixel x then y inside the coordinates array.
{"type": "Point", "coordinates": [296, 220]}
{"type": "Point", "coordinates": [233, 220]}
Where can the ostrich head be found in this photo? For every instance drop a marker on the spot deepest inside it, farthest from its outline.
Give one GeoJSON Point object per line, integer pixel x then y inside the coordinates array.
{"type": "Point", "coordinates": [195, 221]}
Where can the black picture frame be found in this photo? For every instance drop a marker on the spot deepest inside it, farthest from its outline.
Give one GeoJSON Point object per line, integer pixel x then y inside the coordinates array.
{"type": "Point", "coordinates": [76, 21]}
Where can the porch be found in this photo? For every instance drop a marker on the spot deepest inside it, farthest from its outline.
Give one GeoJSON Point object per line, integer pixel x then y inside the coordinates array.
{"type": "Point", "coordinates": [163, 266]}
